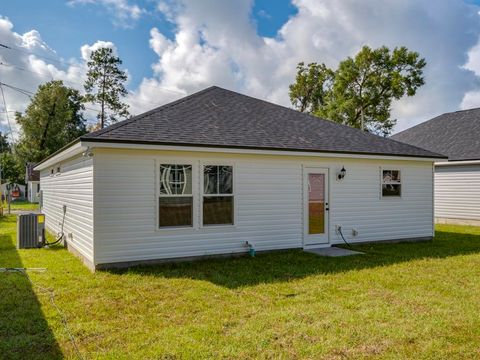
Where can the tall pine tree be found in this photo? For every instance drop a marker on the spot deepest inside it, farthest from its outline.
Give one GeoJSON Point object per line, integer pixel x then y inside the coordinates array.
{"type": "Point", "coordinates": [105, 86]}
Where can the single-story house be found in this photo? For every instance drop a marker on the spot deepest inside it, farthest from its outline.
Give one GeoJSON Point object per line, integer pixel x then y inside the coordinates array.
{"type": "Point", "coordinates": [32, 179]}
{"type": "Point", "coordinates": [17, 191]}
{"type": "Point", "coordinates": [208, 173]}
{"type": "Point", "coordinates": [457, 181]}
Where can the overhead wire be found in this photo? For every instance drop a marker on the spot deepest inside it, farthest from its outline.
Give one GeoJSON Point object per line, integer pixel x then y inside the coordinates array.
{"type": "Point", "coordinates": [6, 112]}
{"type": "Point", "coordinates": [77, 83]}
{"type": "Point", "coordinates": [16, 48]}
{"type": "Point", "coordinates": [30, 94]}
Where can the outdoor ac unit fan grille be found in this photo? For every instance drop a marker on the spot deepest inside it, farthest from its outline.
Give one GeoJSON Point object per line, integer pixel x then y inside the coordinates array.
{"type": "Point", "coordinates": [30, 230]}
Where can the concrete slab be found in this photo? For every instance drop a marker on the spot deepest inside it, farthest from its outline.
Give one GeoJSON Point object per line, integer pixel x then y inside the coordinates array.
{"type": "Point", "coordinates": [333, 252]}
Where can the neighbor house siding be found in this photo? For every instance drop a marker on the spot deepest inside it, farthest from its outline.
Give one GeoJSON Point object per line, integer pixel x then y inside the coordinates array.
{"type": "Point", "coordinates": [457, 193]}
{"type": "Point", "coordinates": [32, 191]}
{"type": "Point", "coordinates": [268, 204]}
{"type": "Point", "coordinates": [73, 187]}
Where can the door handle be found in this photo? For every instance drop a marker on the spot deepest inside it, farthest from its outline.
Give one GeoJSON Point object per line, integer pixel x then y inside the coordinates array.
{"type": "Point", "coordinates": [327, 207]}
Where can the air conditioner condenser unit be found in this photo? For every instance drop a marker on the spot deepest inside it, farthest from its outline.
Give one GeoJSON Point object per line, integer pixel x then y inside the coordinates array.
{"type": "Point", "coordinates": [30, 231]}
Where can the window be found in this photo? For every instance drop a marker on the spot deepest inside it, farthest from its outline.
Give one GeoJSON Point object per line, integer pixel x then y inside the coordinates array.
{"type": "Point", "coordinates": [175, 200]}
{"type": "Point", "coordinates": [217, 195]}
{"type": "Point", "coordinates": [391, 183]}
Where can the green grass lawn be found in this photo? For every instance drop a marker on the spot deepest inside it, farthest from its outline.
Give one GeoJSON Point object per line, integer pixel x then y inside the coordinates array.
{"type": "Point", "coordinates": [21, 205]}
{"type": "Point", "coordinates": [410, 300]}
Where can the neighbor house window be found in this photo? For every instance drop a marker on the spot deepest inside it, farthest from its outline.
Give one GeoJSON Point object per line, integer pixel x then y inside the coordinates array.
{"type": "Point", "coordinates": [175, 200]}
{"type": "Point", "coordinates": [391, 183]}
{"type": "Point", "coordinates": [217, 195]}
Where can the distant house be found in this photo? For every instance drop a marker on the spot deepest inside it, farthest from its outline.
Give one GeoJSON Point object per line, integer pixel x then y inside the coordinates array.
{"type": "Point", "coordinates": [210, 172]}
{"type": "Point", "coordinates": [32, 179]}
{"type": "Point", "coordinates": [457, 181]}
{"type": "Point", "coordinates": [17, 191]}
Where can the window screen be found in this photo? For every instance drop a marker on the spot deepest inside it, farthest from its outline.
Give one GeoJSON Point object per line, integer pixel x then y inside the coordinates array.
{"type": "Point", "coordinates": [176, 199]}
{"type": "Point", "coordinates": [391, 183]}
{"type": "Point", "coordinates": [218, 196]}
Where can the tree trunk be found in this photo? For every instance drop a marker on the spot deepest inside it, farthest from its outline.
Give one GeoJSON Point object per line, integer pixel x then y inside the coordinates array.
{"type": "Point", "coordinates": [362, 119]}
{"type": "Point", "coordinates": [102, 118]}
{"type": "Point", "coordinates": [44, 135]}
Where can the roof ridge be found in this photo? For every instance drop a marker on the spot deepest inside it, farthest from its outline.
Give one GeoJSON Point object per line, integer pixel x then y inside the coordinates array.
{"type": "Point", "coordinates": [415, 146]}
{"type": "Point", "coordinates": [451, 112]}
{"type": "Point", "coordinates": [146, 113]}
{"type": "Point", "coordinates": [290, 128]}
{"type": "Point", "coordinates": [314, 117]}
{"type": "Point", "coordinates": [434, 118]}
{"type": "Point", "coordinates": [419, 124]}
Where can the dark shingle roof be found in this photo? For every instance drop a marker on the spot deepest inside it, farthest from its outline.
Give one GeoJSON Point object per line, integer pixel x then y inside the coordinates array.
{"type": "Point", "coordinates": [223, 118]}
{"type": "Point", "coordinates": [455, 134]}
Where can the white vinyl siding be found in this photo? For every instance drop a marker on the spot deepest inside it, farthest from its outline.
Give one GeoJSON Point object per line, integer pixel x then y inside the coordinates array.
{"type": "Point", "coordinates": [33, 187]}
{"type": "Point", "coordinates": [73, 187]}
{"type": "Point", "coordinates": [268, 204]}
{"type": "Point", "coordinates": [457, 192]}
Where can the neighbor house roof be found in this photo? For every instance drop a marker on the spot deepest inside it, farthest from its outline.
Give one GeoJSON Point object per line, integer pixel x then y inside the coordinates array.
{"type": "Point", "coordinates": [216, 117]}
{"type": "Point", "coordinates": [455, 134]}
{"type": "Point", "coordinates": [32, 175]}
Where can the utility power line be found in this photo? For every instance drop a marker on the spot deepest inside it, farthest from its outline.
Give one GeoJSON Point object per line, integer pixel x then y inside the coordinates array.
{"type": "Point", "coordinates": [16, 48]}
{"type": "Point", "coordinates": [30, 94]}
{"type": "Point", "coordinates": [6, 112]}
{"type": "Point", "coordinates": [77, 83]}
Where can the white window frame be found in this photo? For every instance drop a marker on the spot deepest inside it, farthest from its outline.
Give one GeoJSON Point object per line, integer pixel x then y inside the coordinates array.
{"type": "Point", "coordinates": [158, 195]}
{"type": "Point", "coordinates": [202, 194]}
{"type": "Point", "coordinates": [401, 183]}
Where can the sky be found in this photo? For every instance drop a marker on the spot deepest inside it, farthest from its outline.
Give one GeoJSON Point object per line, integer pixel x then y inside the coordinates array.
{"type": "Point", "coordinates": [174, 48]}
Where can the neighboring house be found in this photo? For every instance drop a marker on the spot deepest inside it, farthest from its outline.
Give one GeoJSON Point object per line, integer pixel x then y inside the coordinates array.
{"type": "Point", "coordinates": [32, 179]}
{"type": "Point", "coordinates": [457, 181]}
{"type": "Point", "coordinates": [207, 173]}
{"type": "Point", "coordinates": [17, 191]}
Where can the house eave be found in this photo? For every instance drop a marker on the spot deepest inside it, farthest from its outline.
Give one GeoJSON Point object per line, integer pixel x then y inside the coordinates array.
{"type": "Point", "coordinates": [66, 152]}
{"type": "Point", "coordinates": [457, 163]}
{"type": "Point", "coordinates": [126, 144]}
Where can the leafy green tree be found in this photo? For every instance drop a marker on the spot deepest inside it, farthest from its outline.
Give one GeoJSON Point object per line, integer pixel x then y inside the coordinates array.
{"type": "Point", "coordinates": [104, 86]}
{"type": "Point", "coordinates": [312, 84]}
{"type": "Point", "coordinates": [12, 169]}
{"type": "Point", "coordinates": [52, 120]}
{"type": "Point", "coordinates": [4, 145]}
{"type": "Point", "coordinates": [359, 93]}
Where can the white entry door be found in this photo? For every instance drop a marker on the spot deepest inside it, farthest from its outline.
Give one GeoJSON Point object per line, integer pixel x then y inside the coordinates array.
{"type": "Point", "coordinates": [315, 185]}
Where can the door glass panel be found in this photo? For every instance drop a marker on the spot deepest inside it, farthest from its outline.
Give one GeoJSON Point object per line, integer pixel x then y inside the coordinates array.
{"type": "Point", "coordinates": [316, 203]}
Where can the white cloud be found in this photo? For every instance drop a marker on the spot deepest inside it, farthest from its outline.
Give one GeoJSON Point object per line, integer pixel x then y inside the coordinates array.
{"type": "Point", "coordinates": [125, 14]}
{"type": "Point", "coordinates": [217, 43]}
{"type": "Point", "coordinates": [86, 50]}
{"type": "Point", "coordinates": [472, 97]}
{"type": "Point", "coordinates": [29, 63]}
{"type": "Point", "coordinates": [21, 69]}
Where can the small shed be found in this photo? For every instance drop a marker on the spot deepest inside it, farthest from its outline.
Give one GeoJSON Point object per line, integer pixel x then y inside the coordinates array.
{"type": "Point", "coordinates": [32, 179]}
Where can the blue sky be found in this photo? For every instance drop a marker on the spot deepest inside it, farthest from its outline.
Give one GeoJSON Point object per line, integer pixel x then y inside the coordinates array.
{"type": "Point", "coordinates": [171, 48]}
{"type": "Point", "coordinates": [63, 27]}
